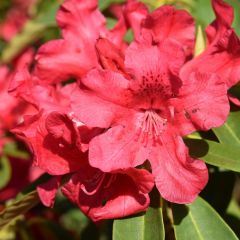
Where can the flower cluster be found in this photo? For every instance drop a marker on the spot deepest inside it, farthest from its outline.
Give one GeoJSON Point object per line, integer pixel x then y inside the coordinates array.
{"type": "Point", "coordinates": [110, 115]}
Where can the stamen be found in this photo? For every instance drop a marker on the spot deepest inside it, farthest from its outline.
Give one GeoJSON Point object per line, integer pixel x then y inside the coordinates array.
{"type": "Point", "coordinates": [98, 178]}
{"type": "Point", "coordinates": [151, 127]}
{"type": "Point", "coordinates": [99, 183]}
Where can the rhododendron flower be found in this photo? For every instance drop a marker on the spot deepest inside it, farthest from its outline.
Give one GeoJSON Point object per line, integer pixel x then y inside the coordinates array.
{"type": "Point", "coordinates": [57, 138]}
{"type": "Point", "coordinates": [146, 109]}
{"type": "Point", "coordinates": [163, 23]}
{"type": "Point", "coordinates": [110, 195]}
{"type": "Point", "coordinates": [122, 123]}
{"type": "Point", "coordinates": [81, 23]}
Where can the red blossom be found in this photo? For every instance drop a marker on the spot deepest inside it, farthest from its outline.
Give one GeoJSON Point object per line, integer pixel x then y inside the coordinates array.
{"type": "Point", "coordinates": [146, 109]}
{"type": "Point", "coordinates": [109, 195]}
{"type": "Point", "coordinates": [131, 104]}
{"type": "Point", "coordinates": [81, 24]}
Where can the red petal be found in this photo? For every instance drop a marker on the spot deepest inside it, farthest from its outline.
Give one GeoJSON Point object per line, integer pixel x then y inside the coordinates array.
{"type": "Point", "coordinates": [178, 177]}
{"type": "Point", "coordinates": [135, 12]}
{"type": "Point", "coordinates": [48, 190]}
{"type": "Point", "coordinates": [80, 19]}
{"type": "Point", "coordinates": [154, 64]}
{"type": "Point", "coordinates": [95, 111]}
{"type": "Point", "coordinates": [202, 103]}
{"type": "Point", "coordinates": [119, 195]}
{"type": "Point", "coordinates": [234, 100]}
{"type": "Point", "coordinates": [164, 24]}
{"type": "Point", "coordinates": [224, 18]}
{"type": "Point", "coordinates": [118, 148]}
{"type": "Point", "coordinates": [58, 60]}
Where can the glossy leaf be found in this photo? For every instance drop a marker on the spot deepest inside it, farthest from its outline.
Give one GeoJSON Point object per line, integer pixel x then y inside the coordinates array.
{"type": "Point", "coordinates": [5, 171]}
{"type": "Point", "coordinates": [199, 221]}
{"type": "Point", "coordinates": [18, 207]}
{"type": "Point", "coordinates": [216, 154]}
{"type": "Point", "coordinates": [146, 226]}
{"type": "Point", "coordinates": [229, 133]}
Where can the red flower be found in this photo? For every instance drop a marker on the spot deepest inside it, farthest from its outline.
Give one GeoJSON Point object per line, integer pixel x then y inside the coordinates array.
{"type": "Point", "coordinates": [109, 195]}
{"type": "Point", "coordinates": [81, 23]}
{"type": "Point", "coordinates": [164, 23]}
{"type": "Point", "coordinates": [59, 139]}
{"type": "Point", "coordinates": [146, 108]}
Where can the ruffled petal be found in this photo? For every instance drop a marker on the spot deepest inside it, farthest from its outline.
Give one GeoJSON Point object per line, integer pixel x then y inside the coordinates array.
{"type": "Point", "coordinates": [95, 111]}
{"type": "Point", "coordinates": [178, 177]}
{"type": "Point", "coordinates": [80, 19]}
{"type": "Point", "coordinates": [164, 24]}
{"type": "Point", "coordinates": [135, 12]}
{"type": "Point", "coordinates": [119, 195]}
{"type": "Point", "coordinates": [117, 148]}
{"type": "Point", "coordinates": [221, 57]}
{"type": "Point", "coordinates": [202, 104]}
{"type": "Point", "coordinates": [154, 68]}
{"type": "Point", "coordinates": [48, 190]}
{"type": "Point", "coordinates": [234, 100]}
{"type": "Point", "coordinates": [110, 55]}
{"type": "Point", "coordinates": [55, 153]}
{"type": "Point", "coordinates": [108, 85]}
{"type": "Point", "coordinates": [57, 60]}
{"type": "Point", "coordinates": [224, 19]}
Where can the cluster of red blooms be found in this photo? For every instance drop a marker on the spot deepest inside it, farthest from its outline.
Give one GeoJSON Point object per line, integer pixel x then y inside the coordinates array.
{"type": "Point", "coordinates": [117, 130]}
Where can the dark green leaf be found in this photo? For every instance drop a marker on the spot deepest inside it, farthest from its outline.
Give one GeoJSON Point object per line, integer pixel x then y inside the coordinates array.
{"type": "Point", "coordinates": [219, 199]}
{"type": "Point", "coordinates": [199, 221]}
{"type": "Point", "coordinates": [229, 133]}
{"type": "Point", "coordinates": [220, 155]}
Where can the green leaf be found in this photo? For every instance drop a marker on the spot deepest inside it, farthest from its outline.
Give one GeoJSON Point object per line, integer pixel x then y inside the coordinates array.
{"type": "Point", "coordinates": [12, 150]}
{"type": "Point", "coordinates": [216, 154]}
{"type": "Point", "coordinates": [146, 226]}
{"type": "Point", "coordinates": [111, 22]}
{"type": "Point", "coordinates": [202, 11]}
{"type": "Point", "coordinates": [104, 4]}
{"type": "Point", "coordinates": [236, 6]}
{"type": "Point", "coordinates": [199, 221]}
{"type": "Point", "coordinates": [5, 171]}
{"type": "Point", "coordinates": [229, 133]}
{"type": "Point", "coordinates": [17, 208]}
